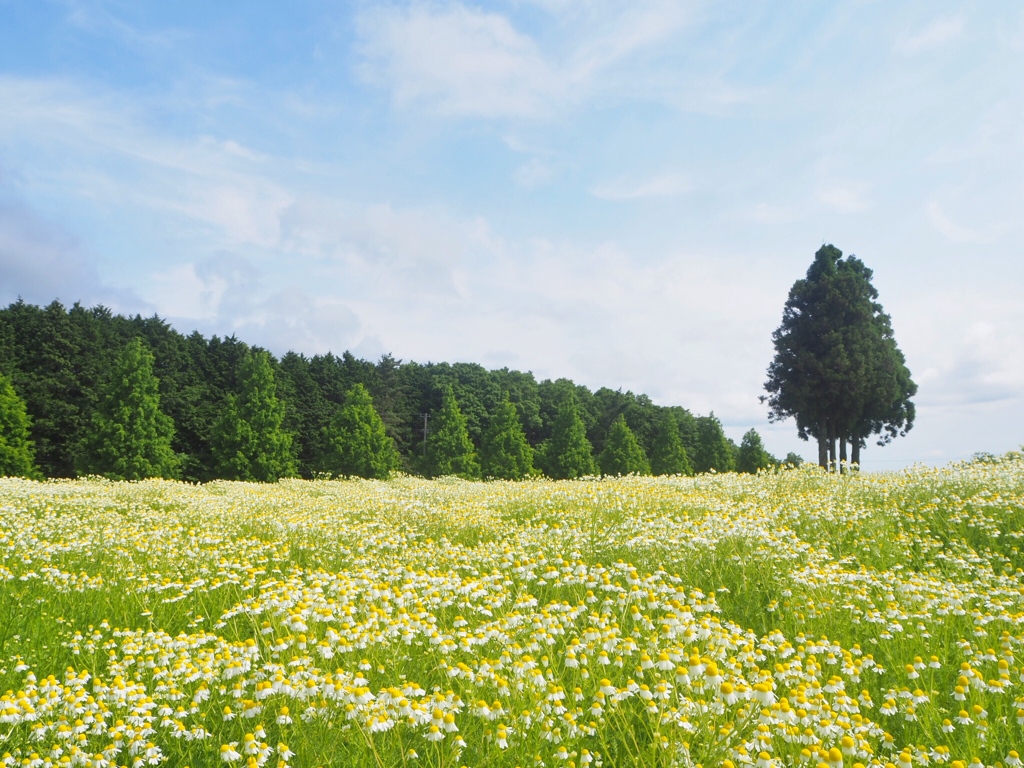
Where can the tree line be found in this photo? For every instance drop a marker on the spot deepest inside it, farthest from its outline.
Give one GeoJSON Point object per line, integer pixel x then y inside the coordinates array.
{"type": "Point", "coordinates": [86, 391]}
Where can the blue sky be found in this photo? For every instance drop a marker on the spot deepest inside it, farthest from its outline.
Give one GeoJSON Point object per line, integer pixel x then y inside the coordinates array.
{"type": "Point", "coordinates": [619, 193]}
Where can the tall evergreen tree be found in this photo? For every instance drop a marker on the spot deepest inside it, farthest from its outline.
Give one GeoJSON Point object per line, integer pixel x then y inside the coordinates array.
{"type": "Point", "coordinates": [713, 449]}
{"type": "Point", "coordinates": [752, 454]}
{"type": "Point", "coordinates": [837, 369]}
{"type": "Point", "coordinates": [449, 449]}
{"type": "Point", "coordinates": [17, 452]}
{"type": "Point", "coordinates": [308, 415]}
{"type": "Point", "coordinates": [669, 456]}
{"type": "Point", "coordinates": [505, 454]}
{"type": "Point", "coordinates": [622, 454]}
{"type": "Point", "coordinates": [568, 454]}
{"type": "Point", "coordinates": [130, 437]}
{"type": "Point", "coordinates": [249, 442]}
{"type": "Point", "coordinates": [360, 447]}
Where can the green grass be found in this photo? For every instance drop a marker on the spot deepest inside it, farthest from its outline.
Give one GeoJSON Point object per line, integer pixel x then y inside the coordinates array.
{"type": "Point", "coordinates": [575, 605]}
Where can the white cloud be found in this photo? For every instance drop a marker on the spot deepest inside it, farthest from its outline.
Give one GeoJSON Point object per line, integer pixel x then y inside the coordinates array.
{"type": "Point", "coordinates": [394, 252]}
{"type": "Point", "coordinates": [533, 173]}
{"type": "Point", "coordinates": [970, 353]}
{"type": "Point", "coordinates": [935, 35]}
{"type": "Point", "coordinates": [767, 213]}
{"type": "Point", "coordinates": [848, 197]}
{"type": "Point", "coordinates": [664, 185]}
{"type": "Point", "coordinates": [945, 226]}
{"type": "Point", "coordinates": [40, 262]}
{"type": "Point", "coordinates": [181, 292]}
{"type": "Point", "coordinates": [458, 60]}
{"type": "Point", "coordinates": [219, 189]}
{"type": "Point", "coordinates": [228, 294]}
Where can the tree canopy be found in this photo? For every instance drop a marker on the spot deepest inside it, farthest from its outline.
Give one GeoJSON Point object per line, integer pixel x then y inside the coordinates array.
{"type": "Point", "coordinates": [130, 437]}
{"type": "Point", "coordinates": [449, 449]}
{"type": "Point", "coordinates": [714, 451]}
{"type": "Point", "coordinates": [837, 369]}
{"type": "Point", "coordinates": [752, 455]}
{"type": "Point", "coordinates": [622, 454]}
{"type": "Point", "coordinates": [361, 446]}
{"type": "Point", "coordinates": [249, 442]}
{"type": "Point", "coordinates": [505, 454]}
{"type": "Point", "coordinates": [17, 453]}
{"type": "Point", "coordinates": [669, 456]}
{"type": "Point", "coordinates": [568, 454]}
{"type": "Point", "coordinates": [59, 359]}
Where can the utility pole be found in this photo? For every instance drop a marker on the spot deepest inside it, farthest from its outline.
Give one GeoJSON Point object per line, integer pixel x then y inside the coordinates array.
{"type": "Point", "coordinates": [426, 417]}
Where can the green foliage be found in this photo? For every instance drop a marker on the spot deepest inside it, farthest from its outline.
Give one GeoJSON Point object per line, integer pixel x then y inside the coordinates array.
{"type": "Point", "coordinates": [568, 455]}
{"type": "Point", "coordinates": [713, 449]}
{"type": "Point", "coordinates": [622, 454]}
{"type": "Point", "coordinates": [248, 440]}
{"type": "Point", "coordinates": [17, 452]}
{"type": "Point", "coordinates": [669, 456]}
{"type": "Point", "coordinates": [505, 454]}
{"type": "Point", "coordinates": [752, 455]}
{"type": "Point", "coordinates": [449, 449]}
{"type": "Point", "coordinates": [837, 369]}
{"type": "Point", "coordinates": [793, 460]}
{"type": "Point", "coordinates": [360, 447]}
{"type": "Point", "coordinates": [606, 405]}
{"type": "Point", "coordinates": [130, 437]}
{"type": "Point", "coordinates": [58, 360]}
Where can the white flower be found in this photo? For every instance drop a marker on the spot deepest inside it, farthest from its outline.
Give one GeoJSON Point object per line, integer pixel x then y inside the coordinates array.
{"type": "Point", "coordinates": [228, 753]}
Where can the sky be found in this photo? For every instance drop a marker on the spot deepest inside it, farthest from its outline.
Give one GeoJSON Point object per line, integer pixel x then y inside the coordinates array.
{"type": "Point", "coordinates": [617, 193]}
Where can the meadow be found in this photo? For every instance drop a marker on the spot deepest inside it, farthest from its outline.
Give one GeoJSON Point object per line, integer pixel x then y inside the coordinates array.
{"type": "Point", "coordinates": [790, 618]}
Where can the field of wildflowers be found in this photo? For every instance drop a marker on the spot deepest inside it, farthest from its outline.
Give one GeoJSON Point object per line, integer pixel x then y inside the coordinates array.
{"type": "Point", "coordinates": [785, 619]}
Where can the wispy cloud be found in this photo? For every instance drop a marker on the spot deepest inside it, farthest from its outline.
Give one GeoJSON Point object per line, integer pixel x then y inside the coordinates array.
{"type": "Point", "coordinates": [97, 19]}
{"type": "Point", "coordinates": [458, 60]}
{"type": "Point", "coordinates": [218, 186]}
{"type": "Point", "coordinates": [664, 185]}
{"type": "Point", "coordinates": [850, 197]}
{"type": "Point", "coordinates": [533, 173]}
{"type": "Point", "coordinates": [938, 218]}
{"type": "Point", "coordinates": [934, 35]}
{"type": "Point", "coordinates": [768, 213]}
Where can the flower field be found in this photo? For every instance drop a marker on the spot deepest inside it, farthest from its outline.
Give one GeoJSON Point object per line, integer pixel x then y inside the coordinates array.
{"type": "Point", "coordinates": [785, 619]}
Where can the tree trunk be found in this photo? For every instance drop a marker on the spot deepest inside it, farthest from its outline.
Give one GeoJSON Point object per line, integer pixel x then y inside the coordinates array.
{"type": "Point", "coordinates": [822, 450]}
{"type": "Point", "coordinates": [831, 449]}
{"type": "Point", "coordinates": [855, 458]}
{"type": "Point", "coordinates": [843, 463]}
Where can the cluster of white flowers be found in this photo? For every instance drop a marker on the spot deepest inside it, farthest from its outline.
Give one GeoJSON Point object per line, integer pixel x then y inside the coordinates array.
{"type": "Point", "coordinates": [786, 619]}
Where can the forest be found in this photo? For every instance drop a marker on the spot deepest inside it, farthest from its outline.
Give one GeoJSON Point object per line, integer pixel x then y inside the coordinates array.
{"type": "Point", "coordinates": [62, 363]}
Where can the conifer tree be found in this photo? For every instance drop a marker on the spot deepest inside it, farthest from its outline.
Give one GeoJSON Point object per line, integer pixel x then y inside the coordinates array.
{"type": "Point", "coordinates": [248, 440]}
{"type": "Point", "coordinates": [568, 454]}
{"type": "Point", "coordinates": [17, 452]}
{"type": "Point", "coordinates": [130, 438]}
{"type": "Point", "coordinates": [668, 455]}
{"type": "Point", "coordinates": [622, 454]}
{"type": "Point", "coordinates": [837, 369]}
{"type": "Point", "coordinates": [713, 448]}
{"type": "Point", "coordinates": [359, 445]}
{"type": "Point", "coordinates": [752, 454]}
{"type": "Point", "coordinates": [505, 454]}
{"type": "Point", "coordinates": [449, 449]}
